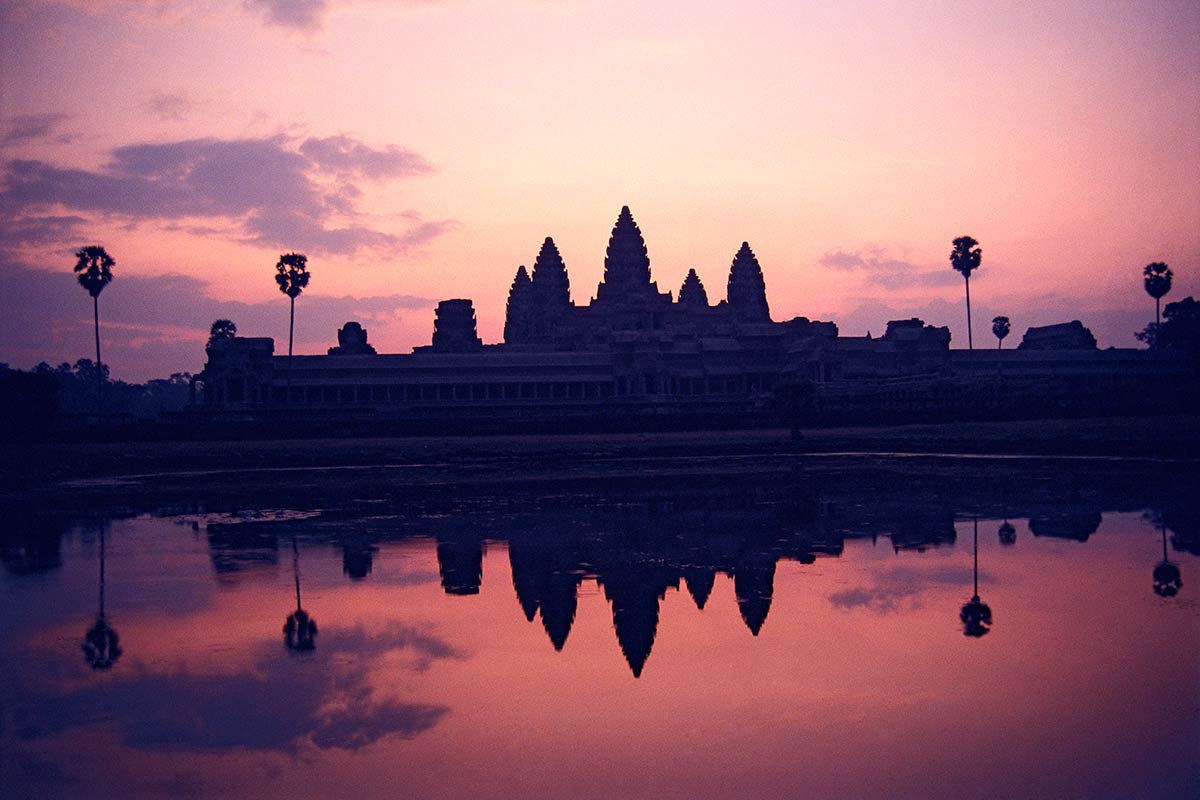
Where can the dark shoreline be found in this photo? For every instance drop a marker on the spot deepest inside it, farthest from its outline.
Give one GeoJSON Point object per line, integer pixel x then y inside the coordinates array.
{"type": "Point", "coordinates": [140, 473]}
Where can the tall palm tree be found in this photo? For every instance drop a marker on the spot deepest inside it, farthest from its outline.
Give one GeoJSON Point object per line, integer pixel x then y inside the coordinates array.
{"type": "Point", "coordinates": [1000, 328]}
{"type": "Point", "coordinates": [101, 646]}
{"type": "Point", "coordinates": [300, 629]}
{"type": "Point", "coordinates": [94, 267]}
{"type": "Point", "coordinates": [1156, 278]}
{"type": "Point", "coordinates": [292, 276]}
{"type": "Point", "coordinates": [965, 258]}
{"type": "Point", "coordinates": [976, 616]}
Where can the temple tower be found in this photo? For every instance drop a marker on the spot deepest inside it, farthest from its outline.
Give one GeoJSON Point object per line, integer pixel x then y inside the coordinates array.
{"type": "Point", "coordinates": [551, 288]}
{"type": "Point", "coordinates": [691, 293]}
{"type": "Point", "coordinates": [454, 327]}
{"type": "Point", "coordinates": [753, 585]}
{"type": "Point", "coordinates": [747, 292]}
{"type": "Point", "coordinates": [626, 265]}
{"type": "Point", "coordinates": [518, 317]}
{"type": "Point", "coordinates": [551, 292]}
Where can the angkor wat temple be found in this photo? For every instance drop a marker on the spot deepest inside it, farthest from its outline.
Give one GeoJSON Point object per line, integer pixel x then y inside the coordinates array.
{"type": "Point", "coordinates": [637, 353]}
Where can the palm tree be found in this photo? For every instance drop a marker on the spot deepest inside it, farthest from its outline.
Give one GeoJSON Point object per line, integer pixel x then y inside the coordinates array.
{"type": "Point", "coordinates": [965, 258]}
{"type": "Point", "coordinates": [976, 616]}
{"type": "Point", "coordinates": [1167, 578]}
{"type": "Point", "coordinates": [221, 329]}
{"type": "Point", "coordinates": [101, 646]}
{"type": "Point", "coordinates": [1156, 278]}
{"type": "Point", "coordinates": [1000, 329]}
{"type": "Point", "coordinates": [299, 630]}
{"type": "Point", "coordinates": [94, 266]}
{"type": "Point", "coordinates": [1008, 534]}
{"type": "Point", "coordinates": [292, 276]}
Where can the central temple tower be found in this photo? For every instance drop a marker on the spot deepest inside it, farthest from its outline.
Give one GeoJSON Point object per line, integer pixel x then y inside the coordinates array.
{"type": "Point", "coordinates": [626, 266]}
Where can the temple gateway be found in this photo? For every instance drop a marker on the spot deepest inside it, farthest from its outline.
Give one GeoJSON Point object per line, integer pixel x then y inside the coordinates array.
{"type": "Point", "coordinates": [637, 353]}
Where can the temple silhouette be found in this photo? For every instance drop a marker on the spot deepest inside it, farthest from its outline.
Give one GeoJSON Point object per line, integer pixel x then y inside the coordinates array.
{"type": "Point", "coordinates": [635, 352]}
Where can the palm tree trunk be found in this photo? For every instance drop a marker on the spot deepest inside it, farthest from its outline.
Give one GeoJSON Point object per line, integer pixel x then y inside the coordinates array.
{"type": "Point", "coordinates": [970, 344]}
{"type": "Point", "coordinates": [99, 371]}
{"type": "Point", "coordinates": [291, 330]}
{"type": "Point", "coordinates": [1157, 314]}
{"type": "Point", "coordinates": [999, 343]}
{"type": "Point", "coordinates": [296, 570]}
{"type": "Point", "coordinates": [976, 570]}
{"type": "Point", "coordinates": [102, 571]}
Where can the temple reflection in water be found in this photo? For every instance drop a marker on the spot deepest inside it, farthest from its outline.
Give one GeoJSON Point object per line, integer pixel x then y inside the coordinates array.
{"type": "Point", "coordinates": [636, 544]}
{"type": "Point", "coordinates": [581, 634]}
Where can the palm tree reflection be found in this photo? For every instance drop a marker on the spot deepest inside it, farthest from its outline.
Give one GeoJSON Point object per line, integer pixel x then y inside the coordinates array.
{"type": "Point", "coordinates": [101, 646]}
{"type": "Point", "coordinates": [976, 615]}
{"type": "Point", "coordinates": [1167, 580]}
{"type": "Point", "coordinates": [300, 630]}
{"type": "Point", "coordinates": [1008, 534]}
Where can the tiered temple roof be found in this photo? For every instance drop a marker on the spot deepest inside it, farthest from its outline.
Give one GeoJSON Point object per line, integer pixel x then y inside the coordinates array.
{"type": "Point", "coordinates": [626, 299]}
{"type": "Point", "coordinates": [551, 287]}
{"type": "Point", "coordinates": [518, 319]}
{"type": "Point", "coordinates": [626, 265]}
{"type": "Point", "coordinates": [691, 293]}
{"type": "Point", "coordinates": [747, 292]}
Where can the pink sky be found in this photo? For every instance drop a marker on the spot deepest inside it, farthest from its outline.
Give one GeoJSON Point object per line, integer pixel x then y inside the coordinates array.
{"type": "Point", "coordinates": [419, 151]}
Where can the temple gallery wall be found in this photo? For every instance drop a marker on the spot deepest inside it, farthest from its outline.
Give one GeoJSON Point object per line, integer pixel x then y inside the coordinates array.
{"type": "Point", "coordinates": [634, 351]}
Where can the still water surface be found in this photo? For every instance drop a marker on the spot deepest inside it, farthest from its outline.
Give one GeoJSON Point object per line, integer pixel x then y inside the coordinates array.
{"type": "Point", "coordinates": [744, 638]}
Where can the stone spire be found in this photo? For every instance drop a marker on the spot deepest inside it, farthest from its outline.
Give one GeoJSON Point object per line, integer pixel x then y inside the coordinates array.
{"type": "Point", "coordinates": [747, 292]}
{"type": "Point", "coordinates": [558, 606]}
{"type": "Point", "coordinates": [634, 599]}
{"type": "Point", "coordinates": [626, 264]}
{"type": "Point", "coordinates": [518, 317]}
{"type": "Point", "coordinates": [691, 293]}
{"type": "Point", "coordinates": [551, 289]}
{"type": "Point", "coordinates": [753, 585]}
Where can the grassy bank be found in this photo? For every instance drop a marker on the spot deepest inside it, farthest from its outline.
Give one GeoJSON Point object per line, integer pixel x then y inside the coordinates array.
{"type": "Point", "coordinates": [1164, 437]}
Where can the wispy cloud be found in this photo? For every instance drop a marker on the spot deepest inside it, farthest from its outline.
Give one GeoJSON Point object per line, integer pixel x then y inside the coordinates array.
{"type": "Point", "coordinates": [273, 191]}
{"type": "Point", "coordinates": [888, 271]}
{"type": "Point", "coordinates": [331, 706]}
{"type": "Point", "coordinates": [900, 587]}
{"type": "Point", "coordinates": [307, 16]}
{"type": "Point", "coordinates": [35, 127]}
{"type": "Point", "coordinates": [168, 107]}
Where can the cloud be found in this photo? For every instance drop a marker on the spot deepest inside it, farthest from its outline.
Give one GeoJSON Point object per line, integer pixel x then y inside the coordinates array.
{"type": "Point", "coordinates": [168, 107]}
{"type": "Point", "coordinates": [886, 271]}
{"type": "Point", "coordinates": [31, 127]}
{"type": "Point", "coordinates": [272, 191]}
{"type": "Point", "coordinates": [901, 587]}
{"type": "Point", "coordinates": [307, 16]}
{"type": "Point", "coordinates": [40, 230]}
{"type": "Point", "coordinates": [349, 157]}
{"type": "Point", "coordinates": [840, 259]}
{"type": "Point", "coordinates": [325, 701]}
{"type": "Point", "coordinates": [158, 325]}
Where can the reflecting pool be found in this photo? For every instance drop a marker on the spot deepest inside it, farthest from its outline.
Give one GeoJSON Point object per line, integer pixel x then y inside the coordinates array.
{"type": "Point", "coordinates": [832, 631]}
